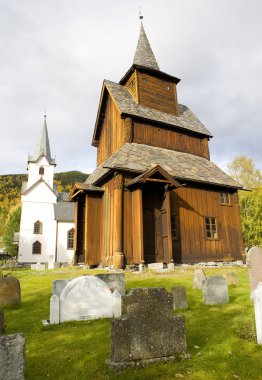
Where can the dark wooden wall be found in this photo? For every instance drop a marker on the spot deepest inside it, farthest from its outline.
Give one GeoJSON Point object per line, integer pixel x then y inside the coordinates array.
{"type": "Point", "coordinates": [93, 229]}
{"type": "Point", "coordinates": [157, 93]}
{"type": "Point", "coordinates": [170, 139]}
{"type": "Point", "coordinates": [112, 132]}
{"type": "Point", "coordinates": [192, 205]}
{"type": "Point", "coordinates": [131, 85]}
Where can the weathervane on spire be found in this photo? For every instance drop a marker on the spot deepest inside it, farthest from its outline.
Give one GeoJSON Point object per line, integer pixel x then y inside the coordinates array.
{"type": "Point", "coordinates": [140, 13]}
{"type": "Point", "coordinates": [45, 114]}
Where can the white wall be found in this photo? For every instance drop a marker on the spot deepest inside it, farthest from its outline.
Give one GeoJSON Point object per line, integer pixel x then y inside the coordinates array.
{"type": "Point", "coordinates": [64, 254]}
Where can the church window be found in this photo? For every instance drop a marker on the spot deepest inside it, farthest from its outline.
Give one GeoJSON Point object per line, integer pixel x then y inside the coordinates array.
{"type": "Point", "coordinates": [38, 226]}
{"type": "Point", "coordinates": [41, 170]}
{"type": "Point", "coordinates": [224, 198]}
{"type": "Point", "coordinates": [70, 239]}
{"type": "Point", "coordinates": [37, 248]}
{"type": "Point", "coordinates": [211, 228]}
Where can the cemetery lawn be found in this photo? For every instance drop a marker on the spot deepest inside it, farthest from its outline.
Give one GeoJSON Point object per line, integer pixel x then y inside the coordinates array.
{"type": "Point", "coordinates": [221, 339]}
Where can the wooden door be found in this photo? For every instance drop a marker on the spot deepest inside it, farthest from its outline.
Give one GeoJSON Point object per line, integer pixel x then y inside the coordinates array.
{"type": "Point", "coordinates": [152, 224]}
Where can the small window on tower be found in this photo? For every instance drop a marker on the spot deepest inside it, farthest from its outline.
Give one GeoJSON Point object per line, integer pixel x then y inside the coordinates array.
{"type": "Point", "coordinates": [168, 88]}
{"type": "Point", "coordinates": [38, 226]}
{"type": "Point", "coordinates": [41, 170]}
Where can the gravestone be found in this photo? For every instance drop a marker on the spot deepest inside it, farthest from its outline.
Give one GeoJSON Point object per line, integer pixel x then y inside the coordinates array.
{"type": "Point", "coordinates": [38, 266]}
{"type": "Point", "coordinates": [53, 265]}
{"type": "Point", "coordinates": [1, 322]}
{"type": "Point", "coordinates": [58, 286]}
{"type": "Point", "coordinates": [12, 357]}
{"type": "Point", "coordinates": [254, 262]}
{"type": "Point", "coordinates": [10, 292]}
{"type": "Point", "coordinates": [84, 298]}
{"type": "Point", "coordinates": [258, 311]}
{"type": "Point", "coordinates": [199, 277]}
{"type": "Point", "coordinates": [215, 290]}
{"type": "Point", "coordinates": [231, 278]}
{"type": "Point", "coordinates": [115, 281]}
{"type": "Point", "coordinates": [148, 331]}
{"type": "Point", "coordinates": [179, 297]}
{"type": "Point", "coordinates": [155, 266]}
{"type": "Point", "coordinates": [171, 266]}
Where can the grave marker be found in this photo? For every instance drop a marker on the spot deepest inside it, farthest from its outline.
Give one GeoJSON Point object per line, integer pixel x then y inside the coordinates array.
{"type": "Point", "coordinates": [12, 357]}
{"type": "Point", "coordinates": [199, 277]}
{"type": "Point", "coordinates": [10, 292]}
{"type": "Point", "coordinates": [258, 311]}
{"type": "Point", "coordinates": [148, 331]}
{"type": "Point", "coordinates": [215, 291]}
{"type": "Point", "coordinates": [179, 297]}
{"type": "Point", "coordinates": [254, 262]}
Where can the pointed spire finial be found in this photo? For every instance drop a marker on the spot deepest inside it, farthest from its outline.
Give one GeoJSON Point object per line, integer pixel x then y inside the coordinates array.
{"type": "Point", "coordinates": [45, 115]}
{"type": "Point", "coordinates": [140, 13]}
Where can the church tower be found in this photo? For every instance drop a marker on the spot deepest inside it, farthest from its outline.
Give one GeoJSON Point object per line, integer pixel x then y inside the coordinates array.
{"type": "Point", "coordinates": [40, 164]}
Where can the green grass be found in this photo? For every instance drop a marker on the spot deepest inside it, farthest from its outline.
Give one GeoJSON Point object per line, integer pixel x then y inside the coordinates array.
{"type": "Point", "coordinates": [225, 334]}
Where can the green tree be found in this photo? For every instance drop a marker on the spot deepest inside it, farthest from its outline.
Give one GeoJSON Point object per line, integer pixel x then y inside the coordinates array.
{"type": "Point", "coordinates": [243, 170]}
{"type": "Point", "coordinates": [12, 225]}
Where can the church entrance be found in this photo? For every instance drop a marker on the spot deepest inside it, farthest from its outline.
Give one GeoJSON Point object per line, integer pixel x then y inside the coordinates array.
{"type": "Point", "coordinates": [155, 223]}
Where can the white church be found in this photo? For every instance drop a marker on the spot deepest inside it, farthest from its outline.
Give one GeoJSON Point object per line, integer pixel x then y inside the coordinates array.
{"type": "Point", "coordinates": [47, 219]}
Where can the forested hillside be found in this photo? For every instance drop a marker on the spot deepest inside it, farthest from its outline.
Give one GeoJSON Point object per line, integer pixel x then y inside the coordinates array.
{"type": "Point", "coordinates": [10, 190]}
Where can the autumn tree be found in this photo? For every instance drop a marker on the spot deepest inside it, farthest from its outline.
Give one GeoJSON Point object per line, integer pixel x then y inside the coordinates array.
{"type": "Point", "coordinates": [243, 170]}
{"type": "Point", "coordinates": [12, 225]}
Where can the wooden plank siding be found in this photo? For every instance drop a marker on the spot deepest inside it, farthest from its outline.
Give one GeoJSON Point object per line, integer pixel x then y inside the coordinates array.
{"type": "Point", "coordinates": [194, 204]}
{"type": "Point", "coordinates": [93, 230]}
{"type": "Point", "coordinates": [170, 139]}
{"type": "Point", "coordinates": [157, 93]}
{"type": "Point", "coordinates": [112, 132]}
{"type": "Point", "coordinates": [131, 85]}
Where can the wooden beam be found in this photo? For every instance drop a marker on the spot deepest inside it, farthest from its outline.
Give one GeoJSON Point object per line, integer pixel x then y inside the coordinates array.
{"type": "Point", "coordinates": [169, 232]}
{"type": "Point", "coordinates": [137, 218]}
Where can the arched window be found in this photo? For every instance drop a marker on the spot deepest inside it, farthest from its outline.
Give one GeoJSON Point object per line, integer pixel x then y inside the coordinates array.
{"type": "Point", "coordinates": [41, 170]}
{"type": "Point", "coordinates": [70, 238]}
{"type": "Point", "coordinates": [38, 226]}
{"type": "Point", "coordinates": [36, 248]}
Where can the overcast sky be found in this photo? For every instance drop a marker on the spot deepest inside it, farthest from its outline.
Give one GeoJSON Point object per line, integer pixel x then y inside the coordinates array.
{"type": "Point", "coordinates": [56, 53]}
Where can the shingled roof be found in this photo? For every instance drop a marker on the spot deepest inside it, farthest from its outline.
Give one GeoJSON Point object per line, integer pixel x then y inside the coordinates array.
{"type": "Point", "coordinates": [182, 166]}
{"type": "Point", "coordinates": [127, 106]}
{"type": "Point", "coordinates": [64, 211]}
{"type": "Point", "coordinates": [144, 55]}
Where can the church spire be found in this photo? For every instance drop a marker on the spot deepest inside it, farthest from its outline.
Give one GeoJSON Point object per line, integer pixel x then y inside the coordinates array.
{"type": "Point", "coordinates": [144, 55]}
{"type": "Point", "coordinates": [43, 146]}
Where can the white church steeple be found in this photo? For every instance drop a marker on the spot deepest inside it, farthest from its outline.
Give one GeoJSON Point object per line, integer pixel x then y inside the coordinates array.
{"type": "Point", "coordinates": [41, 165]}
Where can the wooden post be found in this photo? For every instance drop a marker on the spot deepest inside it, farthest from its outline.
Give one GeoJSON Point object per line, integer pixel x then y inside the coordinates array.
{"type": "Point", "coordinates": [74, 261]}
{"type": "Point", "coordinates": [86, 231]}
{"type": "Point", "coordinates": [118, 257]}
{"type": "Point", "coordinates": [137, 217]}
{"type": "Point", "coordinates": [169, 233]}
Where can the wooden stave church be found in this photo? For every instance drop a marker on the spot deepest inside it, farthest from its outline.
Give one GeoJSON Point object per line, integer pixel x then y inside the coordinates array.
{"type": "Point", "coordinates": [155, 196]}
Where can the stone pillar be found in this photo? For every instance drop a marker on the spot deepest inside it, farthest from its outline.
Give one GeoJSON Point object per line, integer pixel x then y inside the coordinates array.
{"type": "Point", "coordinates": [54, 310]}
{"type": "Point", "coordinates": [118, 258]}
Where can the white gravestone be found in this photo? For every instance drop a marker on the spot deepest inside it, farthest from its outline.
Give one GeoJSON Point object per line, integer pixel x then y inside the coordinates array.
{"type": "Point", "coordinates": [54, 310]}
{"type": "Point", "coordinates": [258, 311]}
{"type": "Point", "coordinates": [84, 298]}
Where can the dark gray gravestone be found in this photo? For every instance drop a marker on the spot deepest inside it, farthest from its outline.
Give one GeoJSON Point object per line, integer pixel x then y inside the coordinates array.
{"type": "Point", "coordinates": [10, 292]}
{"type": "Point", "coordinates": [1, 322]}
{"type": "Point", "coordinates": [215, 290]}
{"type": "Point", "coordinates": [12, 357]}
{"type": "Point", "coordinates": [148, 332]}
{"type": "Point", "coordinates": [254, 262]}
{"type": "Point", "coordinates": [115, 281]}
{"type": "Point", "coordinates": [179, 297]}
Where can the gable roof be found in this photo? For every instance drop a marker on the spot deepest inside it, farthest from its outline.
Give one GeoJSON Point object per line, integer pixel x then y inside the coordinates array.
{"type": "Point", "coordinates": [128, 107]}
{"type": "Point", "coordinates": [139, 158]}
{"type": "Point", "coordinates": [36, 184]}
{"type": "Point", "coordinates": [151, 175]}
{"type": "Point", "coordinates": [144, 55]}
